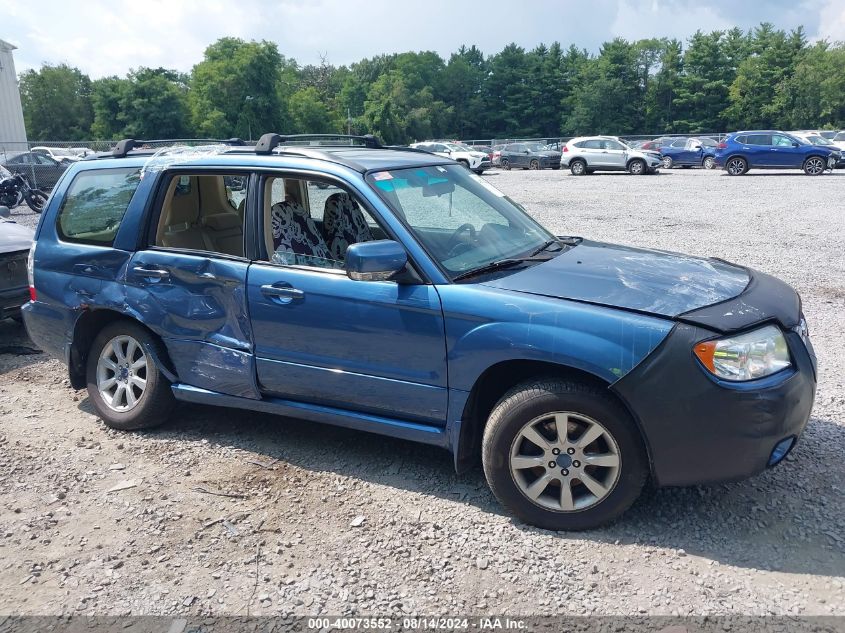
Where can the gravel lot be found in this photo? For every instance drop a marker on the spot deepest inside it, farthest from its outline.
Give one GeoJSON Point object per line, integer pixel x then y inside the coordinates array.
{"type": "Point", "coordinates": [327, 521]}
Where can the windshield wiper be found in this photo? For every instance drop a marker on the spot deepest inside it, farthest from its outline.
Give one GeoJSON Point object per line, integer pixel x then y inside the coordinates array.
{"type": "Point", "coordinates": [489, 268]}
{"type": "Point", "coordinates": [545, 246]}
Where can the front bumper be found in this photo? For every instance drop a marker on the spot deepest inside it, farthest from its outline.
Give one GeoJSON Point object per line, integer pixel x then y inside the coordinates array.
{"type": "Point", "coordinates": [699, 429]}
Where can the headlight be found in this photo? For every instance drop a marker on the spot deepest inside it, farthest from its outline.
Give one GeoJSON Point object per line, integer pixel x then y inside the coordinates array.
{"type": "Point", "coordinates": [748, 356]}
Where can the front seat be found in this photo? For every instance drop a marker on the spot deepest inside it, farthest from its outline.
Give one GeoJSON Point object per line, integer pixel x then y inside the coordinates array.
{"type": "Point", "coordinates": [344, 224]}
{"type": "Point", "coordinates": [296, 239]}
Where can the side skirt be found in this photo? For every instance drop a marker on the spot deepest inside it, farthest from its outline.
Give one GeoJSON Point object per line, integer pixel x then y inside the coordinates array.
{"type": "Point", "coordinates": [318, 413]}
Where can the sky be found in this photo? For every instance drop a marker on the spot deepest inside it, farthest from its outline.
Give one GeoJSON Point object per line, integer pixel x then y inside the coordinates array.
{"type": "Point", "coordinates": [109, 37]}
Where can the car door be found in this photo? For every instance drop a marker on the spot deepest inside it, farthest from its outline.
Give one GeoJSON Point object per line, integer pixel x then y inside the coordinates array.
{"type": "Point", "coordinates": [785, 152]}
{"type": "Point", "coordinates": [373, 347]}
{"type": "Point", "coordinates": [591, 150]}
{"type": "Point", "coordinates": [615, 155]}
{"type": "Point", "coordinates": [756, 149]}
{"type": "Point", "coordinates": [187, 280]}
{"type": "Point", "coordinates": [47, 170]}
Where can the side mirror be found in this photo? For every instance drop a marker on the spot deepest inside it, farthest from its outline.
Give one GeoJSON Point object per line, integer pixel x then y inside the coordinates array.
{"type": "Point", "coordinates": [794, 144]}
{"type": "Point", "coordinates": [375, 261]}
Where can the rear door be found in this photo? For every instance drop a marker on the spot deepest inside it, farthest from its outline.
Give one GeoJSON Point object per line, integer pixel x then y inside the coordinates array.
{"type": "Point", "coordinates": [188, 281]}
{"type": "Point", "coordinates": [374, 347]}
{"type": "Point", "coordinates": [756, 148]}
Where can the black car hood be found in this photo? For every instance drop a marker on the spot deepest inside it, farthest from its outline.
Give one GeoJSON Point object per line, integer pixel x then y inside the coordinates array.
{"type": "Point", "coordinates": [656, 282]}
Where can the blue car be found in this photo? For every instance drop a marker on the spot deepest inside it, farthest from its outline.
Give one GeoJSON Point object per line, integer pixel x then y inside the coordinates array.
{"type": "Point", "coordinates": [772, 149]}
{"type": "Point", "coordinates": [393, 291]}
{"type": "Point", "coordinates": [689, 152]}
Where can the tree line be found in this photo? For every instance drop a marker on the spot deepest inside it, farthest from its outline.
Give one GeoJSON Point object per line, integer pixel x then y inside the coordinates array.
{"type": "Point", "coordinates": [722, 80]}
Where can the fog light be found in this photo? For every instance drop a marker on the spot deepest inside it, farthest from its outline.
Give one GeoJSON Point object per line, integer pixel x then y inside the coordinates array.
{"type": "Point", "coordinates": [781, 450]}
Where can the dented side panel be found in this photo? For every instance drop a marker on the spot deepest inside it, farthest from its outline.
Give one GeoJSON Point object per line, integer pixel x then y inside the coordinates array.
{"type": "Point", "coordinates": [516, 326]}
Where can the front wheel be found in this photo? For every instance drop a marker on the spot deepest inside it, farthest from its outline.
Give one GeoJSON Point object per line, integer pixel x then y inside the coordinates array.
{"type": "Point", "coordinates": [814, 166]}
{"type": "Point", "coordinates": [534, 164]}
{"type": "Point", "coordinates": [637, 167]}
{"type": "Point", "coordinates": [125, 384]}
{"type": "Point", "coordinates": [667, 162]}
{"type": "Point", "coordinates": [36, 199]}
{"type": "Point", "coordinates": [563, 455]}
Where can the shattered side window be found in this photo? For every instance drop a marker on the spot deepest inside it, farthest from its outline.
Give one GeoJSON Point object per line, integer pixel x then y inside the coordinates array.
{"type": "Point", "coordinates": [95, 205]}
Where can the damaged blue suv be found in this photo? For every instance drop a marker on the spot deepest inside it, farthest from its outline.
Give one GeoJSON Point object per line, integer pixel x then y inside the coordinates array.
{"type": "Point", "coordinates": [393, 291]}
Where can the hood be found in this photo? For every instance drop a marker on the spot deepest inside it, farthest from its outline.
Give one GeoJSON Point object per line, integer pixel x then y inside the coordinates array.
{"type": "Point", "coordinates": [14, 237]}
{"type": "Point", "coordinates": [656, 282]}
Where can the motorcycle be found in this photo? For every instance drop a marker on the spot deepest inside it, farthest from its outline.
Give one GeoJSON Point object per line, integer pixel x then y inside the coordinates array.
{"type": "Point", "coordinates": [15, 189]}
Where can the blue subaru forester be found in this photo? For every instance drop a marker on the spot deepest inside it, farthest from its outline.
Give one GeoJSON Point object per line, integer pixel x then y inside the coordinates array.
{"type": "Point", "coordinates": [393, 291]}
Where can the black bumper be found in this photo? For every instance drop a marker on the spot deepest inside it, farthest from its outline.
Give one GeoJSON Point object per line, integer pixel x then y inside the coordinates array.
{"type": "Point", "coordinates": [699, 429]}
{"type": "Point", "coordinates": [11, 300]}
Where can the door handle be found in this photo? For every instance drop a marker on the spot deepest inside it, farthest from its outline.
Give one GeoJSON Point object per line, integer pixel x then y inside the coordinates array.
{"type": "Point", "coordinates": [152, 273]}
{"type": "Point", "coordinates": [284, 293]}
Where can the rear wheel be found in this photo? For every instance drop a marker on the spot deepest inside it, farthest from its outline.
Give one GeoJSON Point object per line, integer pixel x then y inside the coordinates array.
{"type": "Point", "coordinates": [126, 387]}
{"type": "Point", "coordinates": [534, 164]}
{"type": "Point", "coordinates": [563, 455]}
{"type": "Point", "coordinates": [578, 167]}
{"type": "Point", "coordinates": [668, 162]}
{"type": "Point", "coordinates": [736, 166]}
{"type": "Point", "coordinates": [708, 163]}
{"type": "Point", "coordinates": [36, 199]}
{"type": "Point", "coordinates": [814, 166]}
{"type": "Point", "coordinates": [506, 164]}
{"type": "Point", "coordinates": [637, 167]}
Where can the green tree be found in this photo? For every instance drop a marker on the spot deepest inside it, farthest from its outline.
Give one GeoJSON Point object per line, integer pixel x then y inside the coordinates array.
{"type": "Point", "coordinates": [56, 103]}
{"type": "Point", "coordinates": [309, 113]}
{"type": "Point", "coordinates": [238, 88]}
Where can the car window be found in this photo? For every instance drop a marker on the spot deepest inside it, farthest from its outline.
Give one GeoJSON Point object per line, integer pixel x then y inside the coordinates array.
{"type": "Point", "coordinates": [679, 143]}
{"type": "Point", "coordinates": [592, 144]}
{"type": "Point", "coordinates": [463, 221]}
{"type": "Point", "coordinates": [21, 159]}
{"type": "Point", "coordinates": [312, 223]}
{"type": "Point", "coordinates": [203, 212]}
{"type": "Point", "coordinates": [95, 204]}
{"type": "Point", "coordinates": [44, 159]}
{"type": "Point", "coordinates": [839, 137]}
{"type": "Point", "coordinates": [759, 139]}
{"type": "Point", "coordinates": [780, 140]}
{"type": "Point", "coordinates": [614, 145]}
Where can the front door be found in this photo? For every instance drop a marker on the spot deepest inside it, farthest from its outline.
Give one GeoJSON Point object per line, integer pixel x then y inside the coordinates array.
{"type": "Point", "coordinates": [784, 153]}
{"type": "Point", "coordinates": [369, 346]}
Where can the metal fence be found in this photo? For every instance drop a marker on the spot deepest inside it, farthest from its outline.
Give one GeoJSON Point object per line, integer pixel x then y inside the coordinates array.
{"type": "Point", "coordinates": [562, 140]}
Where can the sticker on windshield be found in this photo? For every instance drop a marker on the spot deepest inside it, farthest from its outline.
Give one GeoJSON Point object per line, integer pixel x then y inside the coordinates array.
{"type": "Point", "coordinates": [382, 175]}
{"type": "Point", "coordinates": [487, 185]}
{"type": "Point", "coordinates": [442, 170]}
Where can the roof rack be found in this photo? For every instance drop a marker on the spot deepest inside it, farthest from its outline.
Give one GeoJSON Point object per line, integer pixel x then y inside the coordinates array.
{"type": "Point", "coordinates": [270, 141]}
{"type": "Point", "coordinates": [128, 144]}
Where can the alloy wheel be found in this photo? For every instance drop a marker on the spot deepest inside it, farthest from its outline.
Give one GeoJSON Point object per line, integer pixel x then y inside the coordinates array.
{"type": "Point", "coordinates": [736, 167]}
{"type": "Point", "coordinates": [122, 373]}
{"type": "Point", "coordinates": [708, 163]}
{"type": "Point", "coordinates": [814, 166]}
{"type": "Point", "coordinates": [565, 461]}
{"type": "Point", "coordinates": [637, 168]}
{"type": "Point", "coordinates": [667, 162]}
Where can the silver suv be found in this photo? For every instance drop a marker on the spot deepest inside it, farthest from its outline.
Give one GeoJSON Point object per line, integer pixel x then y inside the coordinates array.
{"type": "Point", "coordinates": [586, 154]}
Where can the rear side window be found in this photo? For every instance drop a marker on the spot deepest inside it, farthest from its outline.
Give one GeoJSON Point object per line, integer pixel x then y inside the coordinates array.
{"type": "Point", "coordinates": [95, 204]}
{"type": "Point", "coordinates": [759, 139]}
{"type": "Point", "coordinates": [742, 140]}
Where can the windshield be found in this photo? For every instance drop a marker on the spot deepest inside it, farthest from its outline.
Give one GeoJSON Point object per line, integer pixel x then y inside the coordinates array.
{"type": "Point", "coordinates": [536, 147]}
{"type": "Point", "coordinates": [462, 221]}
{"type": "Point", "coordinates": [457, 147]}
{"type": "Point", "coordinates": [817, 140]}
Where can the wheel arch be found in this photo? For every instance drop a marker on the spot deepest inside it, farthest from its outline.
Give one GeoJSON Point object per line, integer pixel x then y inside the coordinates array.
{"type": "Point", "coordinates": [88, 325]}
{"type": "Point", "coordinates": [634, 159]}
{"type": "Point", "coordinates": [496, 380]}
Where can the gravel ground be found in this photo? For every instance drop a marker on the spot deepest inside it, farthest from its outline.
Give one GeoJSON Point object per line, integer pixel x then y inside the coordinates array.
{"type": "Point", "coordinates": [321, 520]}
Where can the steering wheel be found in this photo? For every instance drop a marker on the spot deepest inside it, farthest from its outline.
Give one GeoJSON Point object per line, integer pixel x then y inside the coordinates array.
{"type": "Point", "coordinates": [456, 241]}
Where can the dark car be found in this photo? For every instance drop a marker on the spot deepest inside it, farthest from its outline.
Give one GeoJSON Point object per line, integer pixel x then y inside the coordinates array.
{"type": "Point", "coordinates": [689, 152]}
{"type": "Point", "coordinates": [411, 298]}
{"type": "Point", "coordinates": [528, 156]}
{"type": "Point", "coordinates": [773, 149]}
{"type": "Point", "coordinates": [15, 241]}
{"type": "Point", "coordinates": [656, 144]}
{"type": "Point", "coordinates": [42, 171]}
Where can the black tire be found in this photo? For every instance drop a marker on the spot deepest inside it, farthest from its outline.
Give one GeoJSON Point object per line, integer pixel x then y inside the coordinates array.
{"type": "Point", "coordinates": [668, 163]}
{"type": "Point", "coordinates": [534, 399]}
{"type": "Point", "coordinates": [505, 164]}
{"type": "Point", "coordinates": [736, 166]}
{"type": "Point", "coordinates": [464, 163]}
{"type": "Point", "coordinates": [814, 165]}
{"type": "Point", "coordinates": [478, 171]}
{"type": "Point", "coordinates": [156, 401]}
{"type": "Point", "coordinates": [578, 167]}
{"type": "Point", "coordinates": [637, 167]}
{"type": "Point", "coordinates": [36, 199]}
{"type": "Point", "coordinates": [534, 164]}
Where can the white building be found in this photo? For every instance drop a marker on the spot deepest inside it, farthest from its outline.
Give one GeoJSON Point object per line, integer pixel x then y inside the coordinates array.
{"type": "Point", "coordinates": [12, 130]}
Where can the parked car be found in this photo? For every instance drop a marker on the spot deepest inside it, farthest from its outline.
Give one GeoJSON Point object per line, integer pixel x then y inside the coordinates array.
{"type": "Point", "coordinates": [40, 170]}
{"type": "Point", "coordinates": [772, 149]}
{"type": "Point", "coordinates": [413, 299]}
{"type": "Point", "coordinates": [689, 152]}
{"type": "Point", "coordinates": [833, 135]}
{"type": "Point", "coordinates": [528, 156]}
{"type": "Point", "coordinates": [469, 158]}
{"type": "Point", "coordinates": [496, 158]}
{"type": "Point", "coordinates": [81, 152]}
{"type": "Point", "coordinates": [59, 154]}
{"type": "Point", "coordinates": [587, 154]}
{"type": "Point", "coordinates": [15, 240]}
{"type": "Point", "coordinates": [656, 144]}
{"type": "Point", "coordinates": [813, 138]}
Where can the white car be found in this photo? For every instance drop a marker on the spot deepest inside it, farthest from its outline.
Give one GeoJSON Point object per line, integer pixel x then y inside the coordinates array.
{"type": "Point", "coordinates": [586, 154]}
{"type": "Point", "coordinates": [471, 159]}
{"type": "Point", "coordinates": [60, 154]}
{"type": "Point", "coordinates": [815, 138]}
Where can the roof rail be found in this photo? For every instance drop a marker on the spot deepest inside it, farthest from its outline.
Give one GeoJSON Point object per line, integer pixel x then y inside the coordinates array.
{"type": "Point", "coordinates": [270, 141]}
{"type": "Point", "coordinates": [126, 145]}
